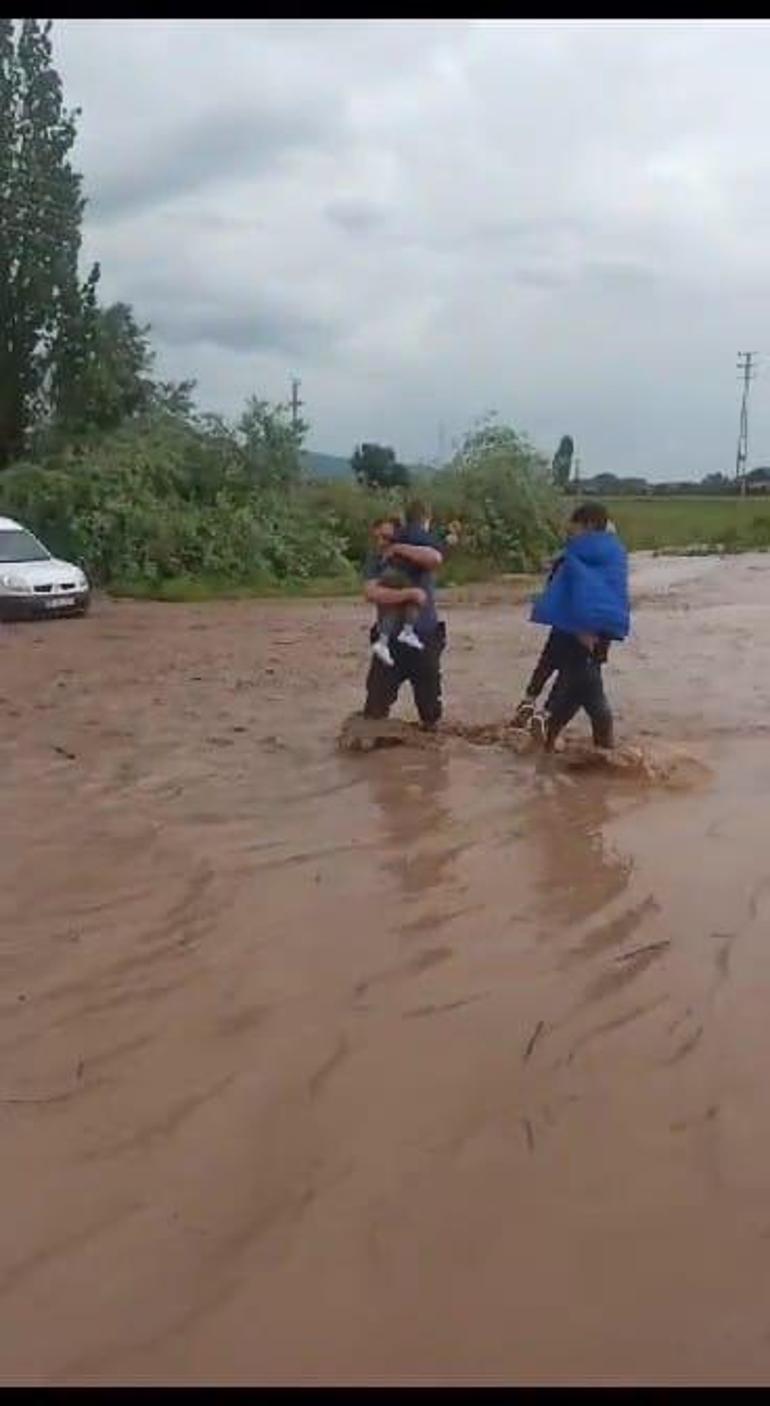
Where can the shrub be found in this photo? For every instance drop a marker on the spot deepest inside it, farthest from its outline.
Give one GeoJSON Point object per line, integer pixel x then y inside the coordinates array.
{"type": "Point", "coordinates": [165, 498]}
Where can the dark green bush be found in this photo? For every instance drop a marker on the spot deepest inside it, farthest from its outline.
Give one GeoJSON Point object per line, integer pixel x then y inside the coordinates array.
{"type": "Point", "coordinates": [165, 498]}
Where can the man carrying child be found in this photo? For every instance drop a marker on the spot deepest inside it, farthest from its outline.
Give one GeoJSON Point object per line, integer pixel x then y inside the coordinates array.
{"type": "Point", "coordinates": [408, 639]}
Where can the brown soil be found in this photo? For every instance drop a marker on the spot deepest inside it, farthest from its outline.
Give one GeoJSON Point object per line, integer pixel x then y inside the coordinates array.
{"type": "Point", "coordinates": [427, 1065]}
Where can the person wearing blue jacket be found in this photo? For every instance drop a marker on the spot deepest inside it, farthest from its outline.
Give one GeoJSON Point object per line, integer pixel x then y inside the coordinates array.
{"type": "Point", "coordinates": [586, 604]}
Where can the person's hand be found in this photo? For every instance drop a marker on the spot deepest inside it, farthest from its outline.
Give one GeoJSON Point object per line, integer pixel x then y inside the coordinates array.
{"type": "Point", "coordinates": [589, 642]}
{"type": "Point", "coordinates": [417, 597]}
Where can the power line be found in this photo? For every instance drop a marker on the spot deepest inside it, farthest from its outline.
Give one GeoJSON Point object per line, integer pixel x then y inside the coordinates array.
{"type": "Point", "coordinates": [747, 368]}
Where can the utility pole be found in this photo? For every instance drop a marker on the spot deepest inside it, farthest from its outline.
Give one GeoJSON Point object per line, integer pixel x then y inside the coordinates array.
{"type": "Point", "coordinates": [747, 369]}
{"type": "Point", "coordinates": [296, 403]}
{"type": "Point", "coordinates": [577, 473]}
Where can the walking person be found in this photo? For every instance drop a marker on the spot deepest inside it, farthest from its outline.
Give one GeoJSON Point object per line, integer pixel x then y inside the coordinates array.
{"type": "Point", "coordinates": [586, 604]}
{"type": "Point", "coordinates": [419, 556]}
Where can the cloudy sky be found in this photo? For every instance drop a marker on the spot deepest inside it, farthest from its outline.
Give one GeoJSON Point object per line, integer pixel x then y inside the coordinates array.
{"type": "Point", "coordinates": [565, 221]}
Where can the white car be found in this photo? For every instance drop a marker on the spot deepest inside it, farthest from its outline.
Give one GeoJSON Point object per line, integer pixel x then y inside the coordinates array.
{"type": "Point", "coordinates": [32, 582]}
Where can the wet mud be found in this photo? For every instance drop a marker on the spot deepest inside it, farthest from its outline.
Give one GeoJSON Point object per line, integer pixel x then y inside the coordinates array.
{"type": "Point", "coordinates": [422, 1064]}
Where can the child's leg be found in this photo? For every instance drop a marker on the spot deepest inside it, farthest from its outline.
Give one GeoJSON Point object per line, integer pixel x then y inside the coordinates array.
{"type": "Point", "coordinates": [407, 634]}
{"type": "Point", "coordinates": [402, 620]}
{"type": "Point", "coordinates": [551, 658]}
{"type": "Point", "coordinates": [410, 614]}
{"type": "Point", "coordinates": [545, 666]}
{"type": "Point", "coordinates": [388, 622]}
{"type": "Point", "coordinates": [391, 618]}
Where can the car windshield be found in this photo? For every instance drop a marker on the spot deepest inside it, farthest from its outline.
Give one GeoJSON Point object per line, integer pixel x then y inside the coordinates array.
{"type": "Point", "coordinates": [18, 545]}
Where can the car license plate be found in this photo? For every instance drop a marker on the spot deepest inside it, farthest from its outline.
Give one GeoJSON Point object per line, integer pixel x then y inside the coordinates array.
{"type": "Point", "coordinates": [57, 603]}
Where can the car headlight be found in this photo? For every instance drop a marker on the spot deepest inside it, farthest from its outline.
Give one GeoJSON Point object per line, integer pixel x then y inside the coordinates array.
{"type": "Point", "coordinates": [14, 583]}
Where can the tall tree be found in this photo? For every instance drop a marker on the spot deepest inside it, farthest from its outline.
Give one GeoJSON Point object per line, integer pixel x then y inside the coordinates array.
{"type": "Point", "coordinates": [376, 466]}
{"type": "Point", "coordinates": [562, 462]}
{"type": "Point", "coordinates": [102, 373]}
{"type": "Point", "coordinates": [101, 378]}
{"type": "Point", "coordinates": [41, 210]}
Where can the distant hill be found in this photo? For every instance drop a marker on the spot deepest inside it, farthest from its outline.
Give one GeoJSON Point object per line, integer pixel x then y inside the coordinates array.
{"type": "Point", "coordinates": [326, 465]}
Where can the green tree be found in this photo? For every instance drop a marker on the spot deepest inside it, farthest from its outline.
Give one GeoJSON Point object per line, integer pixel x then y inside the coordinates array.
{"type": "Point", "coordinates": [562, 462]}
{"type": "Point", "coordinates": [41, 209]}
{"type": "Point", "coordinates": [608, 484]}
{"type": "Point", "coordinates": [376, 466]}
{"type": "Point", "coordinates": [271, 444]}
{"type": "Point", "coordinates": [175, 398]}
{"type": "Point", "coordinates": [500, 490]}
{"type": "Point", "coordinates": [102, 376]}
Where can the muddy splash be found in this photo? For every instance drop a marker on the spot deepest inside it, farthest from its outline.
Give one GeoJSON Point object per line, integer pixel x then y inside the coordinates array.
{"type": "Point", "coordinates": [659, 765]}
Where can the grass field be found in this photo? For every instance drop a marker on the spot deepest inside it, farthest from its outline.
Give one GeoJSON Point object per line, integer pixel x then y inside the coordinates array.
{"type": "Point", "coordinates": [737, 524]}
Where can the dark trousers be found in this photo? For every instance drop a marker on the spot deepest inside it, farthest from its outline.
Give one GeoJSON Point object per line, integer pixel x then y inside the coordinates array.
{"type": "Point", "coordinates": [419, 667]}
{"type": "Point", "coordinates": [579, 684]}
{"type": "Point", "coordinates": [548, 663]}
{"type": "Point", "coordinates": [558, 650]}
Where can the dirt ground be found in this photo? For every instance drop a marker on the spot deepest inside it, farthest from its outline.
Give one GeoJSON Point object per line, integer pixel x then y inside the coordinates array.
{"type": "Point", "coordinates": [434, 1067]}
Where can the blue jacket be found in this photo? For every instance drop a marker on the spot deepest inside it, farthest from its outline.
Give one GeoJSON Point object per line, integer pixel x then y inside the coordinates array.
{"type": "Point", "coordinates": [588, 593]}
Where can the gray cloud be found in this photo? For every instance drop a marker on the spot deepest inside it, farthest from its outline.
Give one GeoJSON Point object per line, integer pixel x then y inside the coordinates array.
{"type": "Point", "coordinates": [544, 229]}
{"type": "Point", "coordinates": [356, 216]}
{"type": "Point", "coordinates": [214, 147]}
{"type": "Point", "coordinates": [539, 277]}
{"type": "Point", "coordinates": [619, 273]}
{"type": "Point", "coordinates": [263, 326]}
{"type": "Point", "coordinates": [562, 219]}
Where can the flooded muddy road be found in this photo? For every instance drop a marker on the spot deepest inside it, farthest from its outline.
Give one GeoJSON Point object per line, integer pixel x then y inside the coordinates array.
{"type": "Point", "coordinates": [424, 1067]}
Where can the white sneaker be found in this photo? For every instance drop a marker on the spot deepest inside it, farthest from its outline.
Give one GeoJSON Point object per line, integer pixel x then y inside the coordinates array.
{"type": "Point", "coordinates": [538, 726]}
{"type": "Point", "coordinates": [524, 714]}
{"type": "Point", "coordinates": [408, 636]}
{"type": "Point", "coordinates": [380, 651]}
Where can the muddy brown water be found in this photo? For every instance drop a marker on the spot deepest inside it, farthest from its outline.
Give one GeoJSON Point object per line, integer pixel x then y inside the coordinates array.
{"type": "Point", "coordinates": [427, 1067]}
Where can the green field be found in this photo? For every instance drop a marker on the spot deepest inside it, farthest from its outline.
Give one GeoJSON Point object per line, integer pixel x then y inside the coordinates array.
{"type": "Point", "coordinates": [737, 524]}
